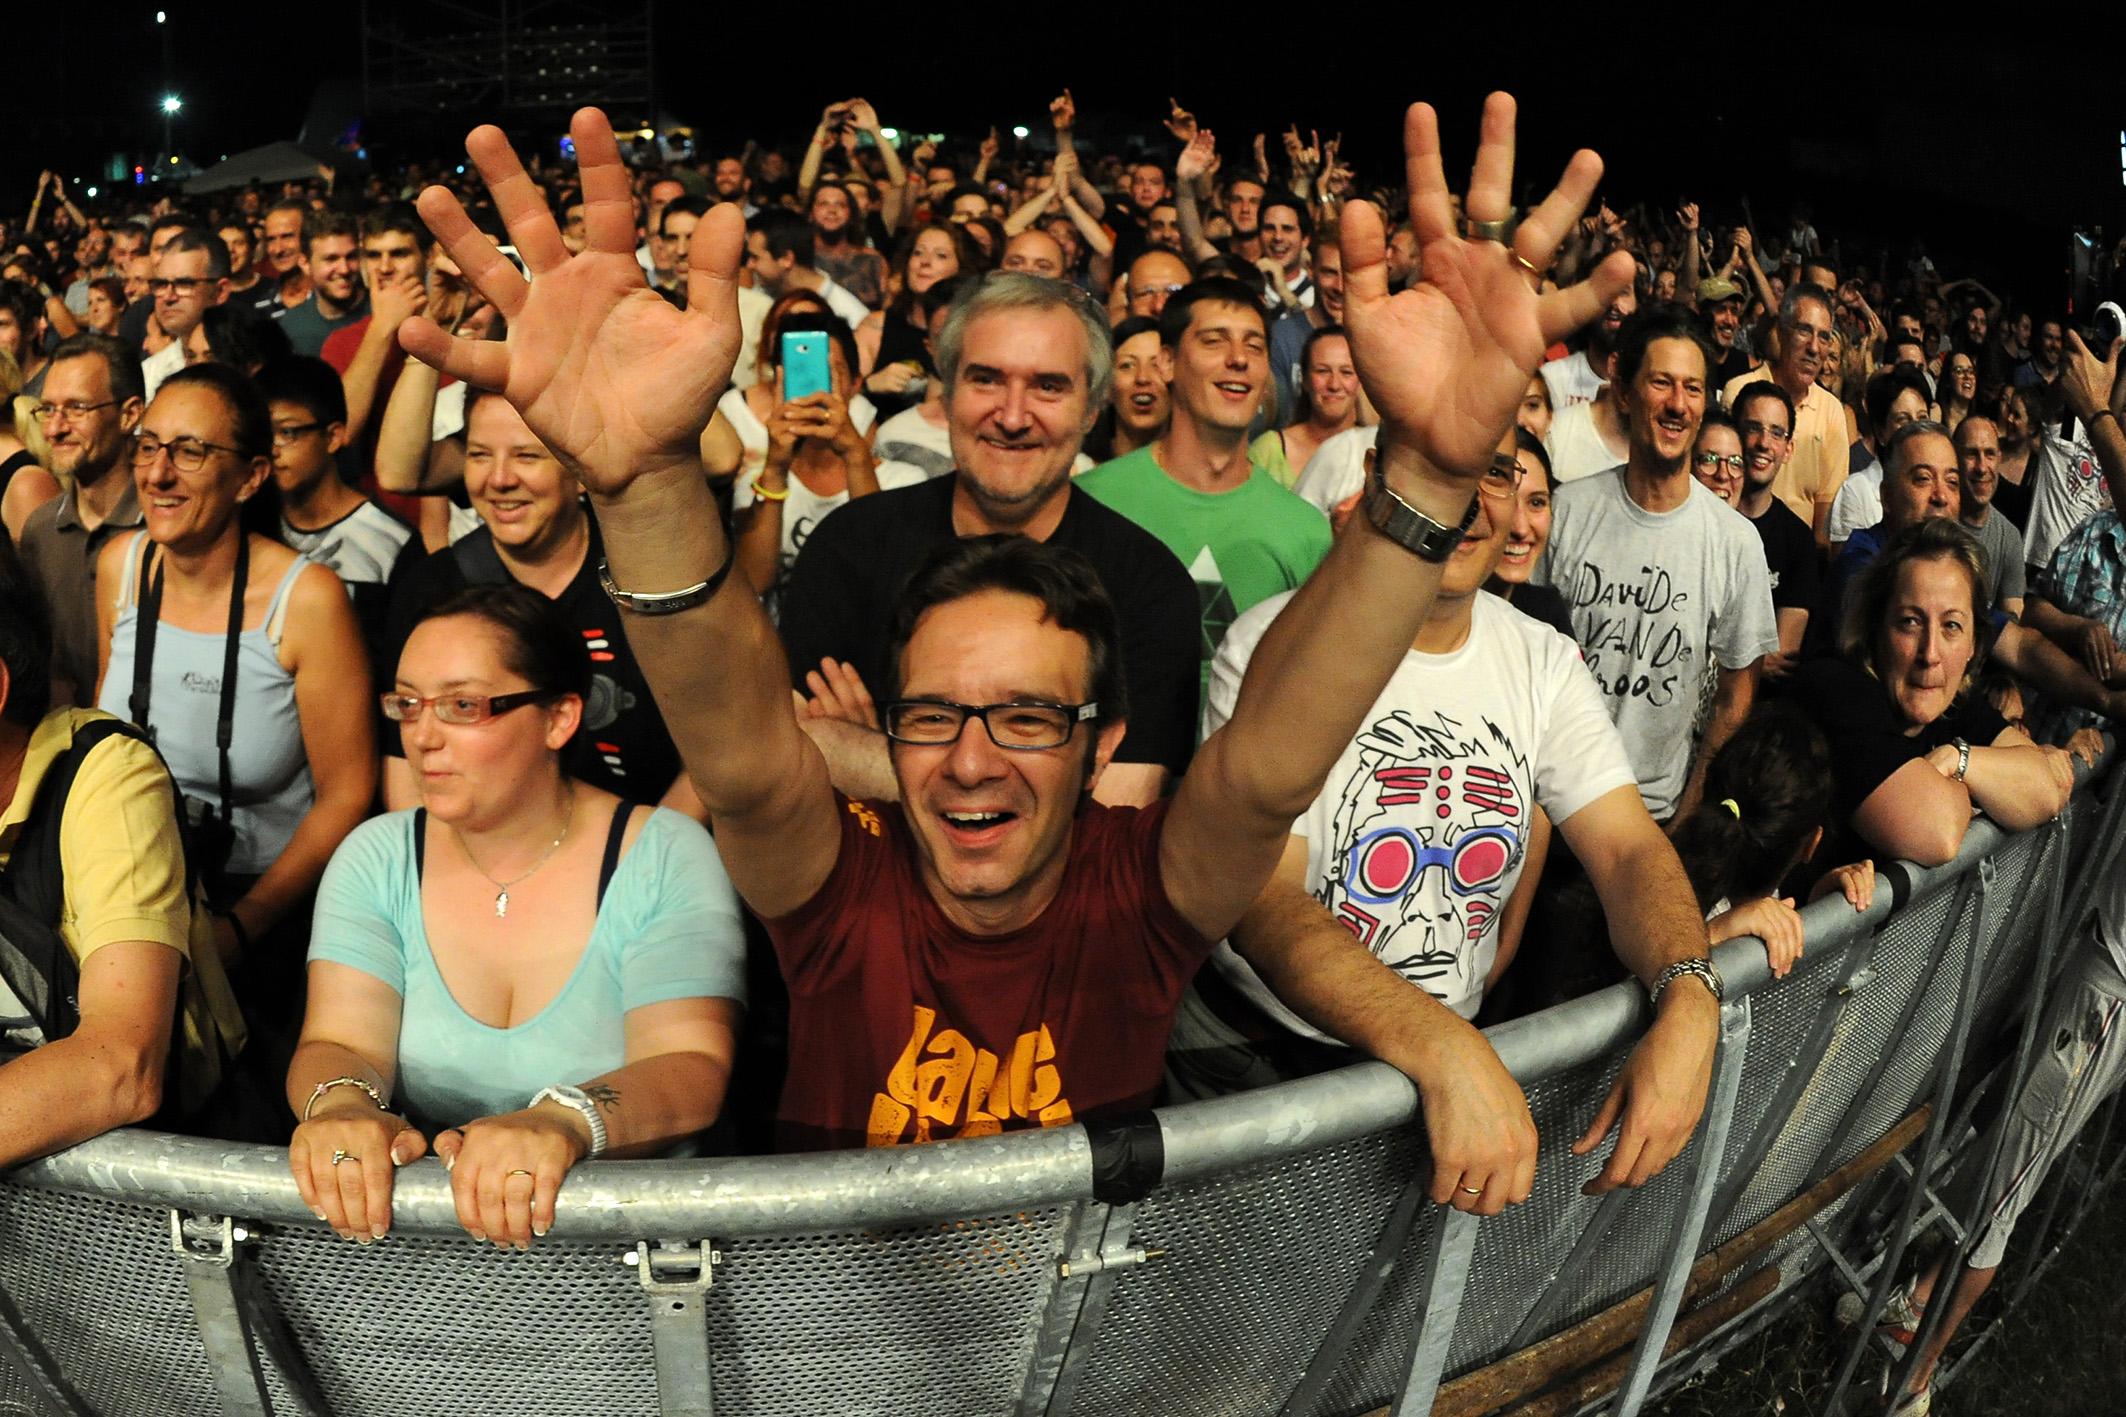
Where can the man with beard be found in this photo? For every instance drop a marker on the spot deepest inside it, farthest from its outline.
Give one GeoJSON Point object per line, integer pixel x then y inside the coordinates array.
{"type": "Point", "coordinates": [1288, 335]}
{"type": "Point", "coordinates": [734, 184]}
{"type": "Point", "coordinates": [2047, 351]}
{"type": "Point", "coordinates": [837, 249]}
{"type": "Point", "coordinates": [1817, 458]}
{"type": "Point", "coordinates": [1659, 573]}
{"type": "Point", "coordinates": [332, 259]}
{"type": "Point", "coordinates": [1243, 537]}
{"type": "Point", "coordinates": [1720, 303]}
{"type": "Point", "coordinates": [1578, 377]}
{"type": "Point", "coordinates": [93, 400]}
{"type": "Point", "coordinates": [1764, 416]}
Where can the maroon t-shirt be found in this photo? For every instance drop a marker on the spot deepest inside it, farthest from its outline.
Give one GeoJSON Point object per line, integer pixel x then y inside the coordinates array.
{"type": "Point", "coordinates": [905, 1028]}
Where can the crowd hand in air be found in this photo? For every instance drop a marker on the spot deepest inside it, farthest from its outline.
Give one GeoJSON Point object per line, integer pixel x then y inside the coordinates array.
{"type": "Point", "coordinates": [617, 382]}
{"type": "Point", "coordinates": [1062, 111]}
{"type": "Point", "coordinates": [837, 692]}
{"type": "Point", "coordinates": [1180, 122]}
{"type": "Point", "coordinates": [1196, 158]}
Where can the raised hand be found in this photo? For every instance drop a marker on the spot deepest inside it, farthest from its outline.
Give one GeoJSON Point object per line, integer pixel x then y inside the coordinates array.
{"type": "Point", "coordinates": [990, 145]}
{"type": "Point", "coordinates": [1447, 361]}
{"type": "Point", "coordinates": [1180, 122]}
{"type": "Point", "coordinates": [615, 381]}
{"type": "Point", "coordinates": [1062, 111]}
{"type": "Point", "coordinates": [1195, 159]}
{"type": "Point", "coordinates": [1304, 158]}
{"type": "Point", "coordinates": [1261, 149]}
{"type": "Point", "coordinates": [1687, 216]}
{"type": "Point", "coordinates": [862, 115]}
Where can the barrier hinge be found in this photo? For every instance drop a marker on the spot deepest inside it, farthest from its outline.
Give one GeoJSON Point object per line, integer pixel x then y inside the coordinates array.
{"type": "Point", "coordinates": [1126, 1258]}
{"type": "Point", "coordinates": [206, 1239]}
{"type": "Point", "coordinates": [670, 1267]}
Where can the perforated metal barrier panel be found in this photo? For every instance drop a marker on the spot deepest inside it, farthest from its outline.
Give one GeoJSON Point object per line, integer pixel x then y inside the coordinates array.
{"type": "Point", "coordinates": [1281, 1256]}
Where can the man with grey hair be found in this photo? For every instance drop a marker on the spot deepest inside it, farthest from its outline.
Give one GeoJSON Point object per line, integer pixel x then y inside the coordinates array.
{"type": "Point", "coordinates": [1025, 362]}
{"type": "Point", "coordinates": [1817, 454]}
{"type": "Point", "coordinates": [191, 274]}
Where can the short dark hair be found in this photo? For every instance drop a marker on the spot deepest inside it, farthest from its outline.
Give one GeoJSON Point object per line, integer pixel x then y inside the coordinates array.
{"type": "Point", "coordinates": [538, 643]}
{"type": "Point", "coordinates": [240, 336]}
{"type": "Point", "coordinates": [290, 204]}
{"type": "Point", "coordinates": [1652, 322]}
{"type": "Point", "coordinates": [121, 363]}
{"type": "Point", "coordinates": [696, 207]}
{"type": "Point", "coordinates": [1526, 442]}
{"type": "Point", "coordinates": [25, 643]}
{"type": "Point", "coordinates": [1274, 197]}
{"type": "Point", "coordinates": [317, 225]}
{"type": "Point", "coordinates": [1212, 290]}
{"type": "Point", "coordinates": [1069, 589]}
{"type": "Point", "coordinates": [247, 406]}
{"type": "Point", "coordinates": [399, 217]}
{"type": "Point", "coordinates": [1765, 389]}
{"type": "Point", "coordinates": [786, 233]}
{"type": "Point", "coordinates": [1717, 417]}
{"type": "Point", "coordinates": [1882, 391]}
{"type": "Point", "coordinates": [198, 238]}
{"type": "Point", "coordinates": [307, 382]}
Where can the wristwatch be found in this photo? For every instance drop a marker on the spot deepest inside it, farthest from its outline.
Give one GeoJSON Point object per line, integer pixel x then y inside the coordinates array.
{"type": "Point", "coordinates": [580, 1101]}
{"type": "Point", "coordinates": [1700, 967]}
{"type": "Point", "coordinates": [1405, 525]}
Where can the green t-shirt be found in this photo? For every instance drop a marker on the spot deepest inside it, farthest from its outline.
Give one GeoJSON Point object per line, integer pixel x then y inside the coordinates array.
{"type": "Point", "coordinates": [1240, 547]}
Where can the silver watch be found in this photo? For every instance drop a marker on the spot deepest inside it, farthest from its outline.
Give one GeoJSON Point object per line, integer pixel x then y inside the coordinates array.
{"type": "Point", "coordinates": [1701, 968]}
{"type": "Point", "coordinates": [580, 1101]}
{"type": "Point", "coordinates": [1406, 526]}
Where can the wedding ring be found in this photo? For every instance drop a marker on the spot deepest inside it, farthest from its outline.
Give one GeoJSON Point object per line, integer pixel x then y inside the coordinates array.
{"type": "Point", "coordinates": [1527, 265]}
{"type": "Point", "coordinates": [339, 1156]}
{"type": "Point", "coordinates": [1472, 1190]}
{"type": "Point", "coordinates": [1500, 231]}
{"type": "Point", "coordinates": [507, 1174]}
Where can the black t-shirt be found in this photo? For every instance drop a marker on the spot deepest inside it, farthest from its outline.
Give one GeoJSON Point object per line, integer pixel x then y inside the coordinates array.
{"type": "Point", "coordinates": [622, 746]}
{"type": "Point", "coordinates": [1732, 364]}
{"type": "Point", "coordinates": [840, 596]}
{"type": "Point", "coordinates": [1868, 743]}
{"type": "Point", "coordinates": [1790, 553]}
{"type": "Point", "coordinates": [1546, 604]}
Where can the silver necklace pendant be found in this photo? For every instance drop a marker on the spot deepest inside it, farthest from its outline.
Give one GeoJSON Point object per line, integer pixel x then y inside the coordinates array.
{"type": "Point", "coordinates": [502, 904]}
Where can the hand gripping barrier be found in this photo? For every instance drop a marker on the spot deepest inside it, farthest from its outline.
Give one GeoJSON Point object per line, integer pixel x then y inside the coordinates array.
{"type": "Point", "coordinates": [1268, 1253]}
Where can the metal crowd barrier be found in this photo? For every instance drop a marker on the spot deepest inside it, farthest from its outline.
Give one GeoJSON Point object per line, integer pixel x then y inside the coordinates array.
{"type": "Point", "coordinates": [1266, 1253]}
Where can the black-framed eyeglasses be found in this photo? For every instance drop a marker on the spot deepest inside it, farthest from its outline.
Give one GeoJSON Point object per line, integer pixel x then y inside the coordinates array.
{"type": "Point", "coordinates": [179, 285]}
{"type": "Point", "coordinates": [460, 709]}
{"type": "Point", "coordinates": [71, 412]}
{"type": "Point", "coordinates": [1502, 479]}
{"type": "Point", "coordinates": [186, 454]}
{"type": "Point", "coordinates": [1021, 727]}
{"type": "Point", "coordinates": [1714, 462]}
{"type": "Point", "coordinates": [286, 433]}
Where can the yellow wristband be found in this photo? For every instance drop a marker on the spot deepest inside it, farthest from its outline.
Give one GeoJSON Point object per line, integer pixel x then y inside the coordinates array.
{"type": "Point", "coordinates": [766, 496]}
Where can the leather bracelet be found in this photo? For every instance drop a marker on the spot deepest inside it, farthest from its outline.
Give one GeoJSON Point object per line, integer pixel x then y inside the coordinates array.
{"type": "Point", "coordinates": [328, 1084]}
{"type": "Point", "coordinates": [766, 496]}
{"type": "Point", "coordinates": [2091, 420]}
{"type": "Point", "coordinates": [236, 928]}
{"type": "Point", "coordinates": [669, 602]}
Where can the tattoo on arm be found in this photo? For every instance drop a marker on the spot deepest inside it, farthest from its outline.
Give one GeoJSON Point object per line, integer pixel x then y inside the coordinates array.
{"type": "Point", "coordinates": [606, 1097]}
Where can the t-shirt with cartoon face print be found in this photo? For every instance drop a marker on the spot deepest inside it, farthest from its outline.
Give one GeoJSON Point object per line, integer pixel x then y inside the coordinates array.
{"type": "Point", "coordinates": [1419, 834]}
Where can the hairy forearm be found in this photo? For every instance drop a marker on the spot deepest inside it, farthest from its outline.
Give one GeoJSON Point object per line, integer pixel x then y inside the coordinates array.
{"type": "Point", "coordinates": [1193, 240]}
{"type": "Point", "coordinates": [1651, 908]}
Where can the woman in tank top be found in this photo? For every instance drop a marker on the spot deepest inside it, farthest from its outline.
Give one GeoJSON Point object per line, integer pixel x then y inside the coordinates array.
{"type": "Point", "coordinates": [244, 663]}
{"type": "Point", "coordinates": [523, 974]}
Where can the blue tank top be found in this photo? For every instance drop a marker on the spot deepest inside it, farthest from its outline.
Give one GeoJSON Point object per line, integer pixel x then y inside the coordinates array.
{"type": "Point", "coordinates": [270, 787]}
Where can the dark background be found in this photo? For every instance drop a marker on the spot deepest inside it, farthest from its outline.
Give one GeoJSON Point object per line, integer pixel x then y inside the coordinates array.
{"type": "Point", "coordinates": [1989, 142]}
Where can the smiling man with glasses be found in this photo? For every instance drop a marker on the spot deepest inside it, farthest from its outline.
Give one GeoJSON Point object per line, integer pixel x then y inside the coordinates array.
{"type": "Point", "coordinates": [1817, 453]}
{"type": "Point", "coordinates": [1764, 416]}
{"type": "Point", "coordinates": [92, 402]}
{"type": "Point", "coordinates": [191, 274]}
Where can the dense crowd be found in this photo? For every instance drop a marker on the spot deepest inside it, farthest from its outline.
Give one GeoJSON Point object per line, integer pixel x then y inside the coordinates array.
{"type": "Point", "coordinates": [1643, 578]}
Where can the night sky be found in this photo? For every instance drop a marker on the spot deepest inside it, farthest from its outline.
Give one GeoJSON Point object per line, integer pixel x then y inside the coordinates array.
{"type": "Point", "coordinates": [1992, 147]}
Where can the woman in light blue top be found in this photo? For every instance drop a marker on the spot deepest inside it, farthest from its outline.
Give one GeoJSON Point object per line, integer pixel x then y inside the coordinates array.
{"type": "Point", "coordinates": [526, 968]}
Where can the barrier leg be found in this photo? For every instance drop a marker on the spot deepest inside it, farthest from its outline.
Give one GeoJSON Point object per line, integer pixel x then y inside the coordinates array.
{"type": "Point", "coordinates": [22, 1352]}
{"type": "Point", "coordinates": [675, 1280]}
{"type": "Point", "coordinates": [1537, 1323]}
{"type": "Point", "coordinates": [240, 1334]}
{"type": "Point", "coordinates": [1446, 1274]}
{"type": "Point", "coordinates": [1710, 1148]}
{"type": "Point", "coordinates": [1948, 1062]}
{"type": "Point", "coordinates": [1372, 1278]}
{"type": "Point", "coordinates": [1097, 1249]}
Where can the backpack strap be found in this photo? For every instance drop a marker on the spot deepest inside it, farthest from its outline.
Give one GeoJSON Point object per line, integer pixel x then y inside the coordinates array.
{"type": "Point", "coordinates": [615, 836]}
{"type": "Point", "coordinates": [420, 843]}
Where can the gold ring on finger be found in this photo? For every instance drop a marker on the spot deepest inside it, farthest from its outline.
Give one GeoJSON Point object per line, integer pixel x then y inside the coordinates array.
{"type": "Point", "coordinates": [1472, 1190]}
{"type": "Point", "coordinates": [1527, 265]}
{"type": "Point", "coordinates": [339, 1156]}
{"type": "Point", "coordinates": [519, 1172]}
{"type": "Point", "coordinates": [1500, 231]}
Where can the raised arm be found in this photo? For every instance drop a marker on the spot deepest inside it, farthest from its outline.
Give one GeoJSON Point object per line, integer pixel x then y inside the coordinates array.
{"type": "Point", "coordinates": [619, 384]}
{"type": "Point", "coordinates": [2093, 393]}
{"type": "Point", "coordinates": [1446, 363]}
{"type": "Point", "coordinates": [890, 206]}
{"type": "Point", "coordinates": [1191, 168]}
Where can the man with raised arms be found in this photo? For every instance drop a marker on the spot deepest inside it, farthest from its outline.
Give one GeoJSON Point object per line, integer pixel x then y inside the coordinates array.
{"type": "Point", "coordinates": [993, 952]}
